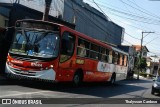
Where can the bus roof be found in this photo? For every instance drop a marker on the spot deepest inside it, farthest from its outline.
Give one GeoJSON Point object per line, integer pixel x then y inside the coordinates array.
{"type": "Point", "coordinates": [98, 42]}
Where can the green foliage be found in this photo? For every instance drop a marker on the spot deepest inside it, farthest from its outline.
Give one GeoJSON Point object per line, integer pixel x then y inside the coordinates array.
{"type": "Point", "coordinates": [143, 63]}
{"type": "Point", "coordinates": [143, 74]}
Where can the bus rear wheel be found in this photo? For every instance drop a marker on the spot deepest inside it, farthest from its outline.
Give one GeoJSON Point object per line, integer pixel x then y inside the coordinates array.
{"type": "Point", "coordinates": [77, 79]}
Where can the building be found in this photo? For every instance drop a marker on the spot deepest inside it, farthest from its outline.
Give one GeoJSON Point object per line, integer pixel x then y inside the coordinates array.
{"type": "Point", "coordinates": [92, 22]}
{"type": "Point", "coordinates": [2, 53]}
{"type": "Point", "coordinates": [138, 50]}
{"type": "Point", "coordinates": [4, 13]}
{"type": "Point", "coordinates": [87, 19]}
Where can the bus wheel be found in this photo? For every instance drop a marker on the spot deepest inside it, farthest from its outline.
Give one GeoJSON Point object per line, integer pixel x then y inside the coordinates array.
{"type": "Point", "coordinates": [113, 79]}
{"type": "Point", "coordinates": [77, 79]}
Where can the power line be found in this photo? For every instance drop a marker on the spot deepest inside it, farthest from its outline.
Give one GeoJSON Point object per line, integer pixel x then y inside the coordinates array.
{"type": "Point", "coordinates": [144, 9]}
{"type": "Point", "coordinates": [141, 10]}
{"type": "Point", "coordinates": [101, 10]}
{"type": "Point", "coordinates": [124, 13]}
{"type": "Point", "coordinates": [110, 19]}
{"type": "Point", "coordinates": [134, 19]}
{"type": "Point", "coordinates": [132, 36]}
{"type": "Point", "coordinates": [128, 14]}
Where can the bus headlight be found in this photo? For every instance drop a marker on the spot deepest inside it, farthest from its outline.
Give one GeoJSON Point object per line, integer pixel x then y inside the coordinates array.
{"type": "Point", "coordinates": [51, 66]}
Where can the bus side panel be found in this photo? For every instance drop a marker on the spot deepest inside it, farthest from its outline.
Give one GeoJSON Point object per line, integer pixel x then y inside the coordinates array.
{"type": "Point", "coordinates": [103, 71]}
{"type": "Point", "coordinates": [90, 70]}
{"type": "Point", "coordinates": [66, 70]}
{"type": "Point", "coordinates": [121, 72]}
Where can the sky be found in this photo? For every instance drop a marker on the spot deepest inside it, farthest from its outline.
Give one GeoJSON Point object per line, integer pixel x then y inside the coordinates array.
{"type": "Point", "coordinates": [134, 16]}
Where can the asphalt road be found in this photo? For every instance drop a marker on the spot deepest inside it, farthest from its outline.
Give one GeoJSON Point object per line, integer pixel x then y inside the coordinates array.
{"type": "Point", "coordinates": [36, 89]}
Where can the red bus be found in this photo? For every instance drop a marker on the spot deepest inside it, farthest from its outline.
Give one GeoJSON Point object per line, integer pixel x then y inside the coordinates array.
{"type": "Point", "coordinates": [51, 51]}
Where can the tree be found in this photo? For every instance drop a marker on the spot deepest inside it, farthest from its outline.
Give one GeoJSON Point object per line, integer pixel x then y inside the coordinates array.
{"type": "Point", "coordinates": [143, 63]}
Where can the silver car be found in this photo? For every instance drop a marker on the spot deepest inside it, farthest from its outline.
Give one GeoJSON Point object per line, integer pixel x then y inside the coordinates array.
{"type": "Point", "coordinates": [156, 85]}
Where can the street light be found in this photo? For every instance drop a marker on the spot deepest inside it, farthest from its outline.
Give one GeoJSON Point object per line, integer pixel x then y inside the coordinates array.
{"type": "Point", "coordinates": [141, 50]}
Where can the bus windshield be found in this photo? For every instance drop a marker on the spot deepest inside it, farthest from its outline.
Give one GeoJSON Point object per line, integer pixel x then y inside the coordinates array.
{"type": "Point", "coordinates": [36, 42]}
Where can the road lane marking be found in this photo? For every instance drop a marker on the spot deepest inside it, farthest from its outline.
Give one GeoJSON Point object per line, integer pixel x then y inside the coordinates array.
{"type": "Point", "coordinates": [23, 94]}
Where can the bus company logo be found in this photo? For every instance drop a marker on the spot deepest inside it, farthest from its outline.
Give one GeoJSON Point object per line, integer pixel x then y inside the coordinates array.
{"type": "Point", "coordinates": [36, 64]}
{"type": "Point", "coordinates": [6, 101]}
{"type": "Point", "coordinates": [15, 61]}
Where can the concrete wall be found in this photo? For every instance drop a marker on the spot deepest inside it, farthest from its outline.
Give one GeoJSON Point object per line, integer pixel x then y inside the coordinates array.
{"type": "Point", "coordinates": [2, 21]}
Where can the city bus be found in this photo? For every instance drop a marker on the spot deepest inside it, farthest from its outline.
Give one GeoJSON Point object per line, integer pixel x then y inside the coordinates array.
{"type": "Point", "coordinates": [50, 51]}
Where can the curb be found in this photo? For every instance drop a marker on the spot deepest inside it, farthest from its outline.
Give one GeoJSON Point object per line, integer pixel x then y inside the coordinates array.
{"type": "Point", "coordinates": [140, 77]}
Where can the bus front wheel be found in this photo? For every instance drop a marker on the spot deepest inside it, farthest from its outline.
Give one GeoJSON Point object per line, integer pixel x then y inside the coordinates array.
{"type": "Point", "coordinates": [77, 79]}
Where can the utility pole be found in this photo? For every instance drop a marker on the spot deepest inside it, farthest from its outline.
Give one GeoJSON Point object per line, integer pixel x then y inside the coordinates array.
{"type": "Point", "coordinates": [141, 51]}
{"type": "Point", "coordinates": [47, 8]}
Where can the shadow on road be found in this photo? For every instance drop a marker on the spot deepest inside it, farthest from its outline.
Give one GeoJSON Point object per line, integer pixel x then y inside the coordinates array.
{"type": "Point", "coordinates": [99, 89]}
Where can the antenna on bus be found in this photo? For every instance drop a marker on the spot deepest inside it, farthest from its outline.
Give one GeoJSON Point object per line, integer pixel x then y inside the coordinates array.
{"type": "Point", "coordinates": [46, 11]}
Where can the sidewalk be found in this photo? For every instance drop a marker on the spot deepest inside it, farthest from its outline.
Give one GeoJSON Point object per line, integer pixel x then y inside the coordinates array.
{"type": "Point", "coordinates": [140, 77]}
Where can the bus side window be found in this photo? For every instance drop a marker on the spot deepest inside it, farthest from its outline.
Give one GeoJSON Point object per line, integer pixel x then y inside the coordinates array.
{"type": "Point", "coordinates": [94, 51]}
{"type": "Point", "coordinates": [107, 53]}
{"type": "Point", "coordinates": [104, 54]}
{"type": "Point", "coordinates": [83, 48]}
{"type": "Point", "coordinates": [125, 60]}
{"type": "Point", "coordinates": [67, 46]}
{"type": "Point", "coordinates": [118, 59]}
{"type": "Point", "coordinates": [113, 57]}
{"type": "Point", "coordinates": [110, 56]}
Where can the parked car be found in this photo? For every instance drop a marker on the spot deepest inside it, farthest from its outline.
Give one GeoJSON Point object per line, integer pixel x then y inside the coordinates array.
{"type": "Point", "coordinates": [156, 85]}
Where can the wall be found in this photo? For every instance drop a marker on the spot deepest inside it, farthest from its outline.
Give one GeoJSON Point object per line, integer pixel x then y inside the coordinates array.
{"type": "Point", "coordinates": [2, 21]}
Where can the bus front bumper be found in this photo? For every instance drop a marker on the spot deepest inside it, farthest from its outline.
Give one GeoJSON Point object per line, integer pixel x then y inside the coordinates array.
{"type": "Point", "coordinates": [49, 74]}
